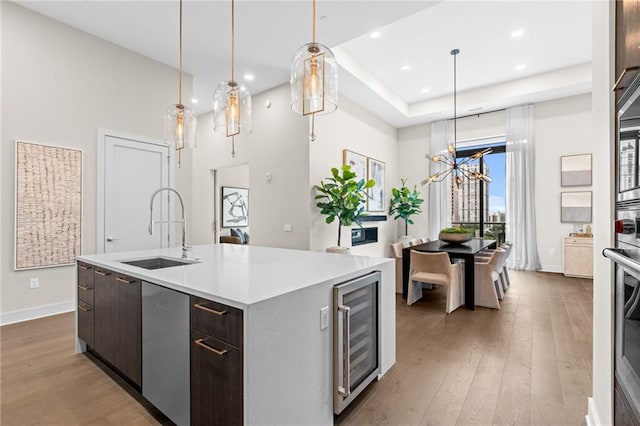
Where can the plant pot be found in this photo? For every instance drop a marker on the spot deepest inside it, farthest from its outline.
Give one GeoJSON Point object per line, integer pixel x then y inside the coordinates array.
{"type": "Point", "coordinates": [452, 238]}
{"type": "Point", "coordinates": [338, 250]}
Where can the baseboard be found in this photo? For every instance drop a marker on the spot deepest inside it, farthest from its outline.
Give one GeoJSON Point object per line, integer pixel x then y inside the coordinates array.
{"type": "Point", "coordinates": [13, 317]}
{"type": "Point", "coordinates": [551, 268]}
{"type": "Point", "coordinates": [592, 417]}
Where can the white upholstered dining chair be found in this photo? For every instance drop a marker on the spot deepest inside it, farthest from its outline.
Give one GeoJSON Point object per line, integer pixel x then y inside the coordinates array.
{"type": "Point", "coordinates": [488, 286]}
{"type": "Point", "coordinates": [436, 268]}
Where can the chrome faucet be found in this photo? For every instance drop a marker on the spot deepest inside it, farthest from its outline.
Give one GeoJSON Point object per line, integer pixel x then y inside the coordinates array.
{"type": "Point", "coordinates": [183, 221]}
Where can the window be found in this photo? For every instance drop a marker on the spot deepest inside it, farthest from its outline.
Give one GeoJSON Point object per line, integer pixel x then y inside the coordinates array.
{"type": "Point", "coordinates": [477, 205]}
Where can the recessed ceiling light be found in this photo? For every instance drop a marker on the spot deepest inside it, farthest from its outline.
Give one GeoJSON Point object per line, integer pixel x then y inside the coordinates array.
{"type": "Point", "coordinates": [194, 101]}
{"type": "Point", "coordinates": [425, 90]}
{"type": "Point", "coordinates": [375, 34]}
{"type": "Point", "coordinates": [517, 33]}
{"type": "Point", "coordinates": [520, 67]}
{"type": "Point", "coordinates": [405, 68]}
{"type": "Point", "coordinates": [249, 77]}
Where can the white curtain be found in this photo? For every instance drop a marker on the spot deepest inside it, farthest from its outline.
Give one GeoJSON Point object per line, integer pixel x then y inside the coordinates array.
{"type": "Point", "coordinates": [521, 215]}
{"type": "Point", "coordinates": [439, 202]}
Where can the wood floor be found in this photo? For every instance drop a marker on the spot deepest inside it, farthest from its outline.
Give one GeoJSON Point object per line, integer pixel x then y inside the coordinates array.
{"type": "Point", "coordinates": [528, 363]}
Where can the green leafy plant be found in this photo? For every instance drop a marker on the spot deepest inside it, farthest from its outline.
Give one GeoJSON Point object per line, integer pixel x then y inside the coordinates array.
{"type": "Point", "coordinates": [457, 230]}
{"type": "Point", "coordinates": [405, 203]}
{"type": "Point", "coordinates": [341, 196]}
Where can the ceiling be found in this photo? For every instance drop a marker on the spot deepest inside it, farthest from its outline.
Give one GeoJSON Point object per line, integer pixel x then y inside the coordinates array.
{"type": "Point", "coordinates": [511, 52]}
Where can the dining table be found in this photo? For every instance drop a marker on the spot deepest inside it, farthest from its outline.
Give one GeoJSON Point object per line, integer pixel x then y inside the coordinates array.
{"type": "Point", "coordinates": [465, 251]}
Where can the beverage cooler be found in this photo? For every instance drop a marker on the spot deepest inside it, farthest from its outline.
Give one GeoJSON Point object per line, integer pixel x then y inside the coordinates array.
{"type": "Point", "coordinates": [356, 348]}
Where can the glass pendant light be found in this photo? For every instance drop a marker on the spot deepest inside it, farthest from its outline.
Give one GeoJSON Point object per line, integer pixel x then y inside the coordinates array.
{"type": "Point", "coordinates": [179, 119]}
{"type": "Point", "coordinates": [232, 100]}
{"type": "Point", "coordinates": [314, 79]}
{"type": "Point", "coordinates": [459, 168]}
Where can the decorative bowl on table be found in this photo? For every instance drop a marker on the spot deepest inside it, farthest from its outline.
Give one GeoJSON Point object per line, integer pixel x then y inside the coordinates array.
{"type": "Point", "coordinates": [455, 235]}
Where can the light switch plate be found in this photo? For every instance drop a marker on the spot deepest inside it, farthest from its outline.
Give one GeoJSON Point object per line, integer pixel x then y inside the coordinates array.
{"type": "Point", "coordinates": [287, 227]}
{"type": "Point", "coordinates": [324, 318]}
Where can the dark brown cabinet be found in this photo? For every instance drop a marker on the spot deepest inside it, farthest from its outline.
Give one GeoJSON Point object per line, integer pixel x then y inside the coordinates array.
{"type": "Point", "coordinates": [118, 322]}
{"type": "Point", "coordinates": [216, 364]}
{"type": "Point", "coordinates": [85, 303]}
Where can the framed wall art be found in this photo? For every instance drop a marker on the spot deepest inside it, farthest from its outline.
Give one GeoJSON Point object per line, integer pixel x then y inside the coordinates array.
{"type": "Point", "coordinates": [575, 170]}
{"type": "Point", "coordinates": [358, 163]}
{"type": "Point", "coordinates": [48, 205]}
{"type": "Point", "coordinates": [376, 171]}
{"type": "Point", "coordinates": [235, 207]}
{"type": "Point", "coordinates": [575, 207]}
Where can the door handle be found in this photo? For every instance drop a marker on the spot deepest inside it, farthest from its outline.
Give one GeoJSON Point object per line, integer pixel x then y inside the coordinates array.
{"type": "Point", "coordinates": [345, 390]}
{"type": "Point", "coordinates": [109, 239]}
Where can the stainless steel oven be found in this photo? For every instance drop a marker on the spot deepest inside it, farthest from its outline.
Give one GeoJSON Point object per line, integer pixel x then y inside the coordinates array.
{"type": "Point", "coordinates": [356, 349]}
{"type": "Point", "coordinates": [627, 328]}
{"type": "Point", "coordinates": [628, 128]}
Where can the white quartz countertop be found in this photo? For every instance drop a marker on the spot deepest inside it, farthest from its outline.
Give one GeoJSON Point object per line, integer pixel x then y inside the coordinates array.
{"type": "Point", "coordinates": [241, 275]}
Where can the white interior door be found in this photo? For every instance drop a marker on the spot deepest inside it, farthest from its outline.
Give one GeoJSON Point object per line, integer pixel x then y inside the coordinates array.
{"type": "Point", "coordinates": [132, 171]}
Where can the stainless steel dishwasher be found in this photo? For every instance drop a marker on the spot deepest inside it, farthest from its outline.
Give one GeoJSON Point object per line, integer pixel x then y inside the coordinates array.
{"type": "Point", "coordinates": [165, 351]}
{"type": "Point", "coordinates": [356, 348]}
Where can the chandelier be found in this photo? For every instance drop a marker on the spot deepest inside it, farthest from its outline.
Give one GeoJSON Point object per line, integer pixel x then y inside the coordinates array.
{"type": "Point", "coordinates": [179, 119]}
{"type": "Point", "coordinates": [463, 168]}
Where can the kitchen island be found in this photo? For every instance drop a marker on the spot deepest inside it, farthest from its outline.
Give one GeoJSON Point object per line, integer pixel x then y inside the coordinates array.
{"type": "Point", "coordinates": [285, 353]}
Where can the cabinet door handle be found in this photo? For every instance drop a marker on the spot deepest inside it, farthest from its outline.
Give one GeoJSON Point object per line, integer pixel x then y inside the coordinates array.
{"type": "Point", "coordinates": [209, 348]}
{"type": "Point", "coordinates": [622, 74]}
{"type": "Point", "coordinates": [84, 287]}
{"type": "Point", "coordinates": [84, 267]}
{"type": "Point", "coordinates": [84, 308]}
{"type": "Point", "coordinates": [103, 274]}
{"type": "Point", "coordinates": [211, 311]}
{"type": "Point", "coordinates": [125, 281]}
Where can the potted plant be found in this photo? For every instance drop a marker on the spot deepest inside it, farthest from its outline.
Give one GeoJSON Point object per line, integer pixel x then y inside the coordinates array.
{"type": "Point", "coordinates": [455, 235]}
{"type": "Point", "coordinates": [342, 197]}
{"type": "Point", "coordinates": [404, 204]}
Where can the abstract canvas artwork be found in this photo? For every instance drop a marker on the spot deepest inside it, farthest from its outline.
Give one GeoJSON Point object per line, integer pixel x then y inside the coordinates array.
{"type": "Point", "coordinates": [376, 171]}
{"type": "Point", "coordinates": [48, 202]}
{"type": "Point", "coordinates": [576, 170]}
{"type": "Point", "coordinates": [358, 163]}
{"type": "Point", "coordinates": [235, 207]}
{"type": "Point", "coordinates": [576, 207]}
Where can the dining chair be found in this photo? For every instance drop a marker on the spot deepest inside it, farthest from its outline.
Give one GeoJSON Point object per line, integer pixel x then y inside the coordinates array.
{"type": "Point", "coordinates": [487, 279]}
{"type": "Point", "coordinates": [503, 271]}
{"type": "Point", "coordinates": [436, 268]}
{"type": "Point", "coordinates": [396, 251]}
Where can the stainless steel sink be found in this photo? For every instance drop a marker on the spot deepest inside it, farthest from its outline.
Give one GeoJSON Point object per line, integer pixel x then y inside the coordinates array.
{"type": "Point", "coordinates": [159, 262]}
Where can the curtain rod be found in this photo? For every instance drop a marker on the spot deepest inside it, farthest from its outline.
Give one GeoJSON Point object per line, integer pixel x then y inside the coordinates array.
{"type": "Point", "coordinates": [479, 113]}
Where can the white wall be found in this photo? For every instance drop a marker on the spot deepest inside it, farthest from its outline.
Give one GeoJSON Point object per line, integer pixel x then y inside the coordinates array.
{"type": "Point", "coordinates": [277, 145]}
{"type": "Point", "coordinates": [562, 127]}
{"type": "Point", "coordinates": [351, 127]}
{"type": "Point", "coordinates": [58, 86]}
{"type": "Point", "coordinates": [601, 405]}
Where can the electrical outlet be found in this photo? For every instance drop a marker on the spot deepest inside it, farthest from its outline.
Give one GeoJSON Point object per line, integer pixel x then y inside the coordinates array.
{"type": "Point", "coordinates": [34, 283]}
{"type": "Point", "coordinates": [287, 227]}
{"type": "Point", "coordinates": [324, 318]}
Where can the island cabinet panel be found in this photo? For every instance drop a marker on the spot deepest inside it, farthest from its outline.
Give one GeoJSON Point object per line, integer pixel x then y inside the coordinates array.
{"type": "Point", "coordinates": [215, 319]}
{"type": "Point", "coordinates": [216, 363]}
{"type": "Point", "coordinates": [118, 322]}
{"type": "Point", "coordinates": [216, 381]}
{"type": "Point", "coordinates": [85, 302]}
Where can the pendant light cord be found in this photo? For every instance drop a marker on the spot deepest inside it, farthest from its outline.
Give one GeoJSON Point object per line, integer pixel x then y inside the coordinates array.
{"type": "Point", "coordinates": [313, 26]}
{"type": "Point", "coordinates": [180, 78]}
{"type": "Point", "coordinates": [455, 105]}
{"type": "Point", "coordinates": [233, 39]}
